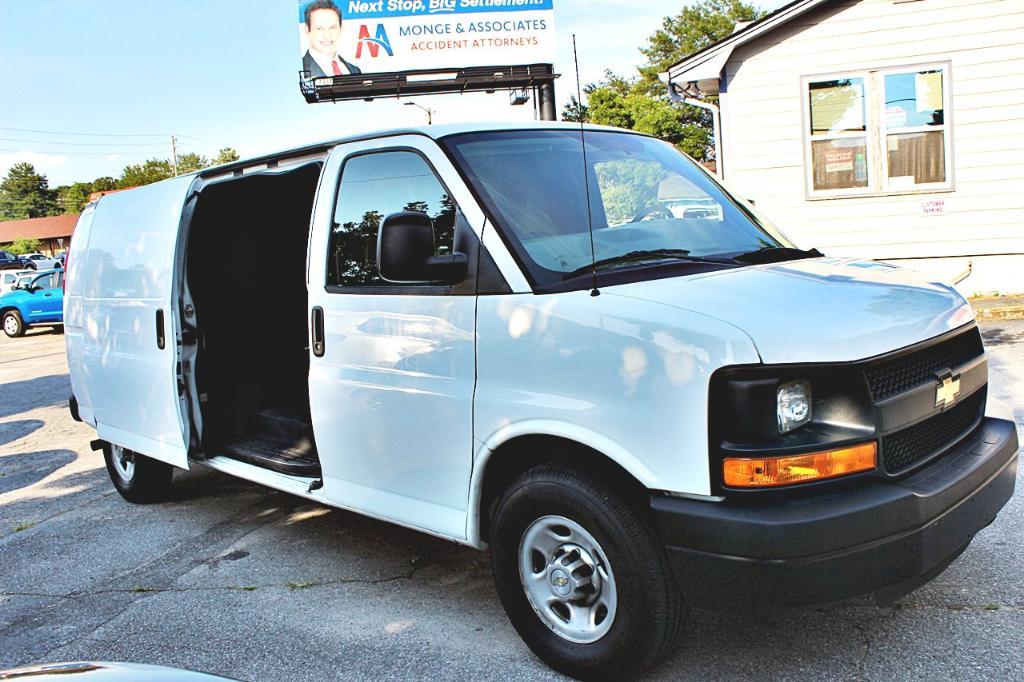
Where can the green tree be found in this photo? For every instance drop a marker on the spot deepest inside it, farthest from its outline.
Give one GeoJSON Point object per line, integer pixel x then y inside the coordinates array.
{"type": "Point", "coordinates": [24, 193]}
{"type": "Point", "coordinates": [104, 184]}
{"type": "Point", "coordinates": [24, 245]}
{"type": "Point", "coordinates": [226, 155]}
{"type": "Point", "coordinates": [145, 173]}
{"type": "Point", "coordinates": [694, 28]}
{"type": "Point", "coordinates": [641, 102]}
{"type": "Point", "coordinates": [575, 111]}
{"type": "Point", "coordinates": [73, 198]}
{"type": "Point", "coordinates": [191, 162]}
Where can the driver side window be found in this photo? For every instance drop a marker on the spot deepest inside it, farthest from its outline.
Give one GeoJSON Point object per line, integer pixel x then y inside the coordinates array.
{"type": "Point", "coordinates": [373, 186]}
{"type": "Point", "coordinates": [49, 281]}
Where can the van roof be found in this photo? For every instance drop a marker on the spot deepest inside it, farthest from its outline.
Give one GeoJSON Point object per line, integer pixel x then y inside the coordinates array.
{"type": "Point", "coordinates": [433, 131]}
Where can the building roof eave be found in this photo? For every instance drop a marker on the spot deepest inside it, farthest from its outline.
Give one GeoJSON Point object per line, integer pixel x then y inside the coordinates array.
{"type": "Point", "coordinates": [707, 64]}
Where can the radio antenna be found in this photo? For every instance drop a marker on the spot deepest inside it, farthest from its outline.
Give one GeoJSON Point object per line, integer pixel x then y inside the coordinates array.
{"type": "Point", "coordinates": [586, 173]}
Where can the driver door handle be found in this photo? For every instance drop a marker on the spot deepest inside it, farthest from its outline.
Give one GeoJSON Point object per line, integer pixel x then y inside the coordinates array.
{"type": "Point", "coordinates": [317, 325]}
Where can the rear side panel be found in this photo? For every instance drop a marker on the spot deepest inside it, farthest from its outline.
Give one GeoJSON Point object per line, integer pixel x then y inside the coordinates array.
{"type": "Point", "coordinates": [123, 330]}
{"type": "Point", "coordinates": [74, 334]}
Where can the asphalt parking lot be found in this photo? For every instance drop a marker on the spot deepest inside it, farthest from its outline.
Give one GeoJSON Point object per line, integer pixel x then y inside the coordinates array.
{"type": "Point", "coordinates": [237, 580]}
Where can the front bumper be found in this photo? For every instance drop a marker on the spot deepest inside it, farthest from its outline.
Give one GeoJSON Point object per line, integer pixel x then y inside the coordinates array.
{"type": "Point", "coordinates": [879, 536]}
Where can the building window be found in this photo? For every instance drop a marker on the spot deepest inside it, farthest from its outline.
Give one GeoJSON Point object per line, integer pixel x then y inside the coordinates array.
{"type": "Point", "coordinates": [882, 131]}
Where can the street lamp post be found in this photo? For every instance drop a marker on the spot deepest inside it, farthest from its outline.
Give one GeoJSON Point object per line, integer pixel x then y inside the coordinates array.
{"type": "Point", "coordinates": [430, 112]}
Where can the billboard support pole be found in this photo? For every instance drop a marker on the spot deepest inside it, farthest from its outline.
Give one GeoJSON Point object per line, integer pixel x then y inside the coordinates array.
{"type": "Point", "coordinates": [546, 92]}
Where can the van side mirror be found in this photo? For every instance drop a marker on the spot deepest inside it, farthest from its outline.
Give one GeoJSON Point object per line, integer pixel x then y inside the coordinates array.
{"type": "Point", "coordinates": [405, 252]}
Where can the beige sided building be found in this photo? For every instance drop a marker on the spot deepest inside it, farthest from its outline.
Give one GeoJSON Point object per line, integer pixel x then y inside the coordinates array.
{"type": "Point", "coordinates": [888, 129]}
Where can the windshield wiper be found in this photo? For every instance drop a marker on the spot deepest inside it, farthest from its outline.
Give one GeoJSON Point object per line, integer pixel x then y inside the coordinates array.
{"type": "Point", "coordinates": [647, 254]}
{"type": "Point", "coordinates": [776, 254]}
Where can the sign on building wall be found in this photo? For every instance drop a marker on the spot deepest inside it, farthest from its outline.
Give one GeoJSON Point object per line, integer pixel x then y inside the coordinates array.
{"type": "Point", "coordinates": [387, 36]}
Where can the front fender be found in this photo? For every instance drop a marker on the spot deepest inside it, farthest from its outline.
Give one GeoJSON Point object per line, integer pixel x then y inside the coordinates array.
{"type": "Point", "coordinates": [628, 378]}
{"type": "Point", "coordinates": [544, 427]}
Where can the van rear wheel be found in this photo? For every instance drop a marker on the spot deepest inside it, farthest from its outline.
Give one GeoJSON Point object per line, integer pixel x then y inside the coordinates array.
{"type": "Point", "coordinates": [138, 478]}
{"type": "Point", "coordinates": [582, 576]}
{"type": "Point", "coordinates": [14, 326]}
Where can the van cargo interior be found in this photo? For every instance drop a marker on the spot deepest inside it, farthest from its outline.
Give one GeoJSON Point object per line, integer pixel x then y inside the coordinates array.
{"type": "Point", "coordinates": [246, 270]}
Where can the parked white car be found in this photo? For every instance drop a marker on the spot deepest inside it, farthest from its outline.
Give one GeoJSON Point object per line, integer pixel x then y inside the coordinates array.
{"type": "Point", "coordinates": [480, 333]}
{"type": "Point", "coordinates": [38, 261]}
{"type": "Point", "coordinates": [9, 279]}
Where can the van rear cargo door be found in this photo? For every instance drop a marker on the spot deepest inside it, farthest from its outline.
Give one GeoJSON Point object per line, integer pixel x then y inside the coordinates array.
{"type": "Point", "coordinates": [125, 280]}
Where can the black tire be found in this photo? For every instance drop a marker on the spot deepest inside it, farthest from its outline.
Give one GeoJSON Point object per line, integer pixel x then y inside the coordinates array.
{"type": "Point", "coordinates": [149, 479]}
{"type": "Point", "coordinates": [31, 266]}
{"type": "Point", "coordinates": [649, 609]}
{"type": "Point", "coordinates": [12, 323]}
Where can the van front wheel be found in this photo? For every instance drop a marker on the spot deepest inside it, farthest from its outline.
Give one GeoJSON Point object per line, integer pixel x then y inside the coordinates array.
{"type": "Point", "coordinates": [582, 575]}
{"type": "Point", "coordinates": [138, 478]}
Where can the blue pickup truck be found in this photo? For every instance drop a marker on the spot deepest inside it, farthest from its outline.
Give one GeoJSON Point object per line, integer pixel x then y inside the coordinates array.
{"type": "Point", "coordinates": [39, 302]}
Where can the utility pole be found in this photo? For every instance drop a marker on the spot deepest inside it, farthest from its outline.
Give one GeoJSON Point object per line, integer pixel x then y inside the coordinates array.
{"type": "Point", "coordinates": [174, 155]}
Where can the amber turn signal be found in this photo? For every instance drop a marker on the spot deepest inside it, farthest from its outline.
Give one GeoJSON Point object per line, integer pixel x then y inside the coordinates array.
{"type": "Point", "coordinates": [765, 472]}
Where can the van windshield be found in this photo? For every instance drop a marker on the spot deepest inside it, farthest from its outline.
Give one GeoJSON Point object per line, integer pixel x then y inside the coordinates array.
{"type": "Point", "coordinates": [650, 204]}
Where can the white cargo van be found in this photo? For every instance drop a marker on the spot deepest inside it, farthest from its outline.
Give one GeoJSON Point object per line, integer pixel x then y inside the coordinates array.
{"type": "Point", "coordinates": [484, 334]}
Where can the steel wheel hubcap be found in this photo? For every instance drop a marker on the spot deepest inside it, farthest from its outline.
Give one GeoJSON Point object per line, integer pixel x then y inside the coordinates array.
{"type": "Point", "coordinates": [10, 324]}
{"type": "Point", "coordinates": [124, 461]}
{"type": "Point", "coordinates": [567, 579]}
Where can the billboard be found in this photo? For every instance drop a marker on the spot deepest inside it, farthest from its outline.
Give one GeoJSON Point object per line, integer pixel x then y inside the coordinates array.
{"type": "Point", "coordinates": [359, 37]}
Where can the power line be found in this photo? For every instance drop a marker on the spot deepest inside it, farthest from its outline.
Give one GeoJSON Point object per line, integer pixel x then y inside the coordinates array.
{"type": "Point", "coordinates": [154, 143]}
{"type": "Point", "coordinates": [87, 144]}
{"type": "Point", "coordinates": [192, 137]}
{"type": "Point", "coordinates": [150, 152]}
{"type": "Point", "coordinates": [60, 132]}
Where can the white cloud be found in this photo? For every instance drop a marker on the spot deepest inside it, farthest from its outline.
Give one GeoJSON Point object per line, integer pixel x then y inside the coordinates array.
{"type": "Point", "coordinates": [42, 162]}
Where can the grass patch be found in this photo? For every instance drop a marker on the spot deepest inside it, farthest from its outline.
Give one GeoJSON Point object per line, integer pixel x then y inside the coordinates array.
{"type": "Point", "coordinates": [991, 607]}
{"type": "Point", "coordinates": [22, 525]}
{"type": "Point", "coordinates": [299, 585]}
{"type": "Point", "coordinates": [142, 589]}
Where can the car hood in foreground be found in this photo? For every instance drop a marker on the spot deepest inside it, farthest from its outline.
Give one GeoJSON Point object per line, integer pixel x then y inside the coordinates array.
{"type": "Point", "coordinates": [816, 310]}
{"type": "Point", "coordinates": [107, 672]}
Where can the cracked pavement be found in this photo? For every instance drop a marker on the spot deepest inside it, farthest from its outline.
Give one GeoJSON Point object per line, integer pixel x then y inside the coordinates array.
{"type": "Point", "coordinates": [237, 580]}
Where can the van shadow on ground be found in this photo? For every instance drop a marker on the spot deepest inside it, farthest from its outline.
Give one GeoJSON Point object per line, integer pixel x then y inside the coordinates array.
{"type": "Point", "coordinates": [12, 431]}
{"type": "Point", "coordinates": [23, 469]}
{"type": "Point", "coordinates": [18, 397]}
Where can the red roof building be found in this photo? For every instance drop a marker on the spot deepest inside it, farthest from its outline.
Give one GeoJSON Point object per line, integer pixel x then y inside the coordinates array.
{"type": "Point", "coordinates": [54, 232]}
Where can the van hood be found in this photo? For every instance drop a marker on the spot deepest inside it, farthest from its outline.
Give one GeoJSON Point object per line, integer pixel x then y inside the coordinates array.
{"type": "Point", "coordinates": [815, 310]}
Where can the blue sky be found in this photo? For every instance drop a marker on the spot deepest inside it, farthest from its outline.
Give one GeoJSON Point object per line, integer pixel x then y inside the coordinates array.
{"type": "Point", "coordinates": [224, 73]}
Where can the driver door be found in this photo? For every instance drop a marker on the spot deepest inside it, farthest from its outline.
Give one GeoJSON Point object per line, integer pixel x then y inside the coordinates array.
{"type": "Point", "coordinates": [391, 379]}
{"type": "Point", "coordinates": [52, 297]}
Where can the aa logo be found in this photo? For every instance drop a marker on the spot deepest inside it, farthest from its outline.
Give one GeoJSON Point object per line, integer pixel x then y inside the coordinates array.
{"type": "Point", "coordinates": [373, 44]}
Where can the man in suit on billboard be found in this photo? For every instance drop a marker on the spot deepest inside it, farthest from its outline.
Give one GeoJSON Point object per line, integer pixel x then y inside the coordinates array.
{"type": "Point", "coordinates": [323, 26]}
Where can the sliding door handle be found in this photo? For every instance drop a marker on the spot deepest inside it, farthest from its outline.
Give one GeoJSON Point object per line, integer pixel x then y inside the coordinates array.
{"type": "Point", "coordinates": [318, 331]}
{"type": "Point", "coordinates": [160, 339]}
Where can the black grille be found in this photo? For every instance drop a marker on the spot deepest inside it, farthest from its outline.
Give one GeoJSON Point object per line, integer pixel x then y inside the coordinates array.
{"type": "Point", "coordinates": [891, 377]}
{"type": "Point", "coordinates": [905, 448]}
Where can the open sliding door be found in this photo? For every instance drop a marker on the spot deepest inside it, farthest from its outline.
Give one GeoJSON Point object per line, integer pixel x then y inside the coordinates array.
{"type": "Point", "coordinates": [125, 281]}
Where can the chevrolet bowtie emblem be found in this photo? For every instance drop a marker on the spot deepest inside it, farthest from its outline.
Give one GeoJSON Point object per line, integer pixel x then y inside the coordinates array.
{"type": "Point", "coordinates": [947, 391]}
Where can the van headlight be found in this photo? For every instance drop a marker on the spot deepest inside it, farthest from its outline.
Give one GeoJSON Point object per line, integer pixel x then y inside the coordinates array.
{"type": "Point", "coordinates": [793, 405]}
